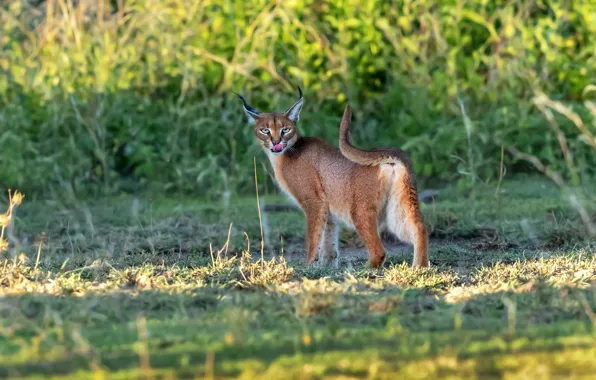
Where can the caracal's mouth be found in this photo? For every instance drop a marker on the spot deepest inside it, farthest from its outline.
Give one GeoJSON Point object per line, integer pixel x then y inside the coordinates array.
{"type": "Point", "coordinates": [277, 148]}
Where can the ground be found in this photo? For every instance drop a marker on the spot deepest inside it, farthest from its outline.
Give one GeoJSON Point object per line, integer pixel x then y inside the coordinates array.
{"type": "Point", "coordinates": [174, 287]}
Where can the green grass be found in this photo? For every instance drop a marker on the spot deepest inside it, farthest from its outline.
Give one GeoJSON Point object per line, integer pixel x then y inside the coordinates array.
{"type": "Point", "coordinates": [130, 288]}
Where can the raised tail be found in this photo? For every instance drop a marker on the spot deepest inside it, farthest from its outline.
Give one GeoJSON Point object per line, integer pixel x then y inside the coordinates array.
{"type": "Point", "coordinates": [366, 157]}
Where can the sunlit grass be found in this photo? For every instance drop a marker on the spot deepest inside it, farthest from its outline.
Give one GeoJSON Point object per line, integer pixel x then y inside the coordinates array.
{"type": "Point", "coordinates": [180, 291]}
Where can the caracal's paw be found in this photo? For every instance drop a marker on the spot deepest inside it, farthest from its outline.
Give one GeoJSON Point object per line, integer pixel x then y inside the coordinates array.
{"type": "Point", "coordinates": [423, 265]}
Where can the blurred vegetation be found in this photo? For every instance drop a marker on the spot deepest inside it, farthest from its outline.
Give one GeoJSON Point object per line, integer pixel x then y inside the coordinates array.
{"type": "Point", "coordinates": [138, 92]}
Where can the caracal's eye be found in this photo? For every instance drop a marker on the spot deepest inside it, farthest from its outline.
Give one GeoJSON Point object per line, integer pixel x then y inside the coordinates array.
{"type": "Point", "coordinates": [265, 131]}
{"type": "Point", "coordinates": [285, 130]}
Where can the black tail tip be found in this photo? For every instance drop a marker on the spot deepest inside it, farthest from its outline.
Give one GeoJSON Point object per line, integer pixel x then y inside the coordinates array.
{"type": "Point", "coordinates": [239, 96]}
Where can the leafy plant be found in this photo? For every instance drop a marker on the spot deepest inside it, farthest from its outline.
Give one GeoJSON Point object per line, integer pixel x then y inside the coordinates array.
{"type": "Point", "coordinates": [141, 89]}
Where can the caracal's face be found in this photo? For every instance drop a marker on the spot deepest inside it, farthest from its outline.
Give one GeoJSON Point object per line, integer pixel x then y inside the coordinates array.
{"type": "Point", "coordinates": [276, 133]}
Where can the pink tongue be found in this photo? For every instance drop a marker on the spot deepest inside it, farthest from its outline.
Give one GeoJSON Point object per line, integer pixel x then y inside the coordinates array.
{"type": "Point", "coordinates": [278, 147]}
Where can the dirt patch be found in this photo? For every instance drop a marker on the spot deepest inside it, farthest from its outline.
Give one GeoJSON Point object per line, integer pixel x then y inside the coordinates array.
{"type": "Point", "coordinates": [348, 255]}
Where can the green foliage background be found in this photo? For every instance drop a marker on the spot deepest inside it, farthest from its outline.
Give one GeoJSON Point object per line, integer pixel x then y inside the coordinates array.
{"type": "Point", "coordinates": [139, 91]}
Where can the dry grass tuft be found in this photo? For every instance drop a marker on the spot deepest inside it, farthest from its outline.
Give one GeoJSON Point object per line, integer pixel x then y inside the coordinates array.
{"type": "Point", "coordinates": [263, 273]}
{"type": "Point", "coordinates": [14, 200]}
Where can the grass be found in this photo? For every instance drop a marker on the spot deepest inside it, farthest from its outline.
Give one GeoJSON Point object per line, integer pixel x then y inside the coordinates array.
{"type": "Point", "coordinates": [101, 79]}
{"type": "Point", "coordinates": [125, 287]}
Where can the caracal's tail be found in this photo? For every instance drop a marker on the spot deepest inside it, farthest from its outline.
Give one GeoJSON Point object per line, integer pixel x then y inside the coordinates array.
{"type": "Point", "coordinates": [373, 157]}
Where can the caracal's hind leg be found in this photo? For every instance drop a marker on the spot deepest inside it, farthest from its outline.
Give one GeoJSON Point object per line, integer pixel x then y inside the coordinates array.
{"type": "Point", "coordinates": [405, 220]}
{"type": "Point", "coordinates": [330, 249]}
{"type": "Point", "coordinates": [365, 220]}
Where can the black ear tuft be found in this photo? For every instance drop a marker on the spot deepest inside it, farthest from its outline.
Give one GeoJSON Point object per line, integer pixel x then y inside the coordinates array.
{"type": "Point", "coordinates": [251, 112]}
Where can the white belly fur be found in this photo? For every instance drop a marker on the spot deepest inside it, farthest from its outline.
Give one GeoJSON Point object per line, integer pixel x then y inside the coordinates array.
{"type": "Point", "coordinates": [394, 213]}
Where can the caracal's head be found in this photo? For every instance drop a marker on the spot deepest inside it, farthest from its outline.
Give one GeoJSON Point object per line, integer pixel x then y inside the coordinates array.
{"type": "Point", "coordinates": [276, 132]}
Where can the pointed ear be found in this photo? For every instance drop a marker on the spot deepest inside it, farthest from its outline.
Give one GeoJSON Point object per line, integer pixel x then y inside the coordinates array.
{"type": "Point", "coordinates": [294, 112]}
{"type": "Point", "coordinates": [251, 113]}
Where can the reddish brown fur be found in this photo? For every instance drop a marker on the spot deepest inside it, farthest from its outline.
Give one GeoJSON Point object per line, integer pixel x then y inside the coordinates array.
{"type": "Point", "coordinates": [369, 190]}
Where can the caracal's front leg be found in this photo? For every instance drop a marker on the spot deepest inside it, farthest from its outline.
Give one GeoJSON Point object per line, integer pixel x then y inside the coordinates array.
{"type": "Point", "coordinates": [316, 218]}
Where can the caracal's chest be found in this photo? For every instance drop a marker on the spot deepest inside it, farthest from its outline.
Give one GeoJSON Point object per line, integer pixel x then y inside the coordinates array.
{"type": "Point", "coordinates": [280, 177]}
